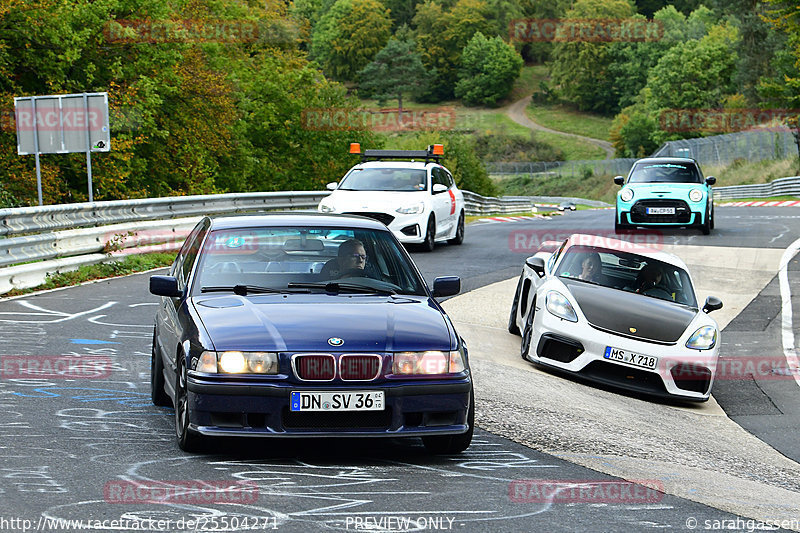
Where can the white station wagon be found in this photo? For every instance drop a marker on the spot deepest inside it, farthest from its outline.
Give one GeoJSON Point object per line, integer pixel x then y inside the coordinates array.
{"type": "Point", "coordinates": [408, 190]}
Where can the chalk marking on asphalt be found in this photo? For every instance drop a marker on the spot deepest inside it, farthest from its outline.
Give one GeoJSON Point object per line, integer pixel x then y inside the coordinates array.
{"type": "Point", "coordinates": [787, 335]}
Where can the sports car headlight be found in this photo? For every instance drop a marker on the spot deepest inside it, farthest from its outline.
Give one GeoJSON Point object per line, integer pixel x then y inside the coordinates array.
{"type": "Point", "coordinates": [428, 363]}
{"type": "Point", "coordinates": [238, 362]}
{"type": "Point", "coordinates": [626, 195]}
{"type": "Point", "coordinates": [411, 209]}
{"type": "Point", "coordinates": [558, 305]}
{"type": "Point", "coordinates": [325, 208]}
{"type": "Point", "coordinates": [704, 338]}
{"type": "Point", "coordinates": [695, 195]}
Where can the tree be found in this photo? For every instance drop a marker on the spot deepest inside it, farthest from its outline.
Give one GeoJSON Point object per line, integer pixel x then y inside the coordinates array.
{"type": "Point", "coordinates": [695, 74]}
{"type": "Point", "coordinates": [396, 69]}
{"type": "Point", "coordinates": [580, 69]}
{"type": "Point", "coordinates": [782, 89]}
{"type": "Point", "coordinates": [349, 35]}
{"type": "Point", "coordinates": [442, 35]}
{"type": "Point", "coordinates": [488, 70]}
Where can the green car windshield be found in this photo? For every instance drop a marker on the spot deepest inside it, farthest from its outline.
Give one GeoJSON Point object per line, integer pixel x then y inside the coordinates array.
{"type": "Point", "coordinates": [665, 173]}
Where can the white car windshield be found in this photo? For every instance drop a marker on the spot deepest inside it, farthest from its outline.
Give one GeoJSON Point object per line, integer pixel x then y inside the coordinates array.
{"type": "Point", "coordinates": [385, 179]}
{"type": "Point", "coordinates": [629, 272]}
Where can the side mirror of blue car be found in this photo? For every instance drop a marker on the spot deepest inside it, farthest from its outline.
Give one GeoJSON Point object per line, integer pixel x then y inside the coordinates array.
{"type": "Point", "coordinates": [446, 286]}
{"type": "Point", "coordinates": [165, 286]}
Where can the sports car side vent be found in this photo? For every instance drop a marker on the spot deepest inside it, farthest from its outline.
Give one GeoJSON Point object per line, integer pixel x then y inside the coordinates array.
{"type": "Point", "coordinates": [314, 367]}
{"type": "Point", "coordinates": [559, 348]}
{"type": "Point", "coordinates": [354, 367]}
{"type": "Point", "coordinates": [691, 377]}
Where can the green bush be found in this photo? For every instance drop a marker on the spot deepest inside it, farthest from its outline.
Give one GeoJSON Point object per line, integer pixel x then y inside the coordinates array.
{"type": "Point", "coordinates": [488, 70]}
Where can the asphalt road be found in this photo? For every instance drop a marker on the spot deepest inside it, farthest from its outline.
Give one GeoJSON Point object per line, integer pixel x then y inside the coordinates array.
{"type": "Point", "coordinates": [75, 448]}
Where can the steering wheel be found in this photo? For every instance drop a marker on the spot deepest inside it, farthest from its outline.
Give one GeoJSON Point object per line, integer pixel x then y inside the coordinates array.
{"type": "Point", "coordinates": [658, 292]}
{"type": "Point", "coordinates": [353, 273]}
{"type": "Point", "coordinates": [225, 267]}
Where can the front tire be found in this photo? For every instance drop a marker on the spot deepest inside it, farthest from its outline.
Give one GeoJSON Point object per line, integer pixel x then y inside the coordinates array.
{"type": "Point", "coordinates": [512, 319]}
{"type": "Point", "coordinates": [188, 440]}
{"type": "Point", "coordinates": [430, 236]}
{"type": "Point", "coordinates": [706, 226]}
{"type": "Point", "coordinates": [527, 332]}
{"type": "Point", "coordinates": [619, 227]}
{"type": "Point", "coordinates": [450, 444]}
{"type": "Point", "coordinates": [157, 393]}
{"type": "Point", "coordinates": [459, 237]}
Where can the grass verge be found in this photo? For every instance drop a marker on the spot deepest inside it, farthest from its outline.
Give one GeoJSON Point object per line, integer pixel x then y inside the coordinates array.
{"type": "Point", "coordinates": [562, 118]}
{"type": "Point", "coordinates": [127, 265]}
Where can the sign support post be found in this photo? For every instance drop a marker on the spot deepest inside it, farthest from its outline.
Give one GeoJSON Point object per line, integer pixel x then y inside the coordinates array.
{"type": "Point", "coordinates": [88, 146]}
{"type": "Point", "coordinates": [36, 151]}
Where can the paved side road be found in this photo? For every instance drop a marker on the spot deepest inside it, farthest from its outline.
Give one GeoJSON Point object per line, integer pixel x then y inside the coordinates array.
{"type": "Point", "coordinates": [516, 112]}
{"type": "Point", "coordinates": [698, 451]}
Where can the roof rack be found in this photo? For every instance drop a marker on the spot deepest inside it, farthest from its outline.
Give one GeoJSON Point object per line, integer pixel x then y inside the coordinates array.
{"type": "Point", "coordinates": [431, 154]}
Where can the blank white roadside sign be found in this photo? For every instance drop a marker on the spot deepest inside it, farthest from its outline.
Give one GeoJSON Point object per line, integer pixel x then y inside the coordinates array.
{"type": "Point", "coordinates": [62, 123]}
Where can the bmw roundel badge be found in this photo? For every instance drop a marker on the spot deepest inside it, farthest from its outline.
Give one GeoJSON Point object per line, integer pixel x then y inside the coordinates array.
{"type": "Point", "coordinates": [335, 341]}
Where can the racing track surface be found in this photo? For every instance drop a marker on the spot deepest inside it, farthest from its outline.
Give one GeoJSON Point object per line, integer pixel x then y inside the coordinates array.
{"type": "Point", "coordinates": [73, 449]}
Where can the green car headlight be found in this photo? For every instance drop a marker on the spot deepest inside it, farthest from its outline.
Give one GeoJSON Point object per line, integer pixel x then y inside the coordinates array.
{"type": "Point", "coordinates": [626, 195]}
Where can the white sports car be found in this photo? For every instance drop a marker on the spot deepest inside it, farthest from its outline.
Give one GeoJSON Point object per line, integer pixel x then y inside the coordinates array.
{"type": "Point", "coordinates": [617, 313]}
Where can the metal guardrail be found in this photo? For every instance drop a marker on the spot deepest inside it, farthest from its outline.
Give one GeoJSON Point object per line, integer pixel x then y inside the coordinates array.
{"type": "Point", "coordinates": [576, 168]}
{"type": "Point", "coordinates": [64, 237]}
{"type": "Point", "coordinates": [67, 216]}
{"type": "Point", "coordinates": [779, 187]}
{"type": "Point", "coordinates": [475, 204]}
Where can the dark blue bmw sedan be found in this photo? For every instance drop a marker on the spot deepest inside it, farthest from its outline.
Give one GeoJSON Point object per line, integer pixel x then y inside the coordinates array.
{"type": "Point", "coordinates": [305, 325]}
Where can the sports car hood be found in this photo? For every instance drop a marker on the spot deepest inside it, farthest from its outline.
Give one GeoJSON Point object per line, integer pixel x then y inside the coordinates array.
{"type": "Point", "coordinates": [380, 201]}
{"type": "Point", "coordinates": [305, 322]}
{"type": "Point", "coordinates": [630, 314]}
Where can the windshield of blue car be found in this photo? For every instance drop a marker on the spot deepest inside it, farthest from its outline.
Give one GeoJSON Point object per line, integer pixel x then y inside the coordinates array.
{"type": "Point", "coordinates": [385, 179]}
{"type": "Point", "coordinates": [627, 271]}
{"type": "Point", "coordinates": [281, 258]}
{"type": "Point", "coordinates": [665, 173]}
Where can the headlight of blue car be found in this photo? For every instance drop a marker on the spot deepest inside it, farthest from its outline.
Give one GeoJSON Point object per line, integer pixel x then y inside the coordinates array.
{"type": "Point", "coordinates": [234, 362]}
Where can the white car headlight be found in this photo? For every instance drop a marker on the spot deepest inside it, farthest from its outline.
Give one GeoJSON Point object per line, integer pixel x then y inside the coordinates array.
{"type": "Point", "coordinates": [326, 207]}
{"type": "Point", "coordinates": [432, 362]}
{"type": "Point", "coordinates": [558, 305]}
{"type": "Point", "coordinates": [411, 209]}
{"type": "Point", "coordinates": [704, 338]}
{"type": "Point", "coordinates": [238, 362]}
{"type": "Point", "coordinates": [695, 195]}
{"type": "Point", "coordinates": [626, 195]}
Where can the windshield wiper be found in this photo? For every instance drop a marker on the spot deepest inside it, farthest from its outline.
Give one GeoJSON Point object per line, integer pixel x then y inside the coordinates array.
{"type": "Point", "coordinates": [336, 287]}
{"type": "Point", "coordinates": [243, 290]}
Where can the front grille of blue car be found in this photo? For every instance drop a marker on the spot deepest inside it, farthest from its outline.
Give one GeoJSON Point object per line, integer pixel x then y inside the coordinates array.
{"type": "Point", "coordinates": [327, 420]}
{"type": "Point", "coordinates": [683, 215]}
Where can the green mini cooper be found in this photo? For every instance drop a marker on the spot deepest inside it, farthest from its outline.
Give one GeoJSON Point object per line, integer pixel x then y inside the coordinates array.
{"type": "Point", "coordinates": [665, 191]}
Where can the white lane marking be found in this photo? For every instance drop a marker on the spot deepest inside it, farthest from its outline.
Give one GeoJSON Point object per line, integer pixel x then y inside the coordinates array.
{"type": "Point", "coordinates": [787, 335]}
{"type": "Point", "coordinates": [41, 311]}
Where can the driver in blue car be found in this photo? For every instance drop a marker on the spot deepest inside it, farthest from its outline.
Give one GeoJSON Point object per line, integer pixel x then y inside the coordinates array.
{"type": "Point", "coordinates": [351, 260]}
